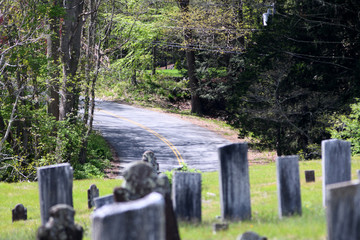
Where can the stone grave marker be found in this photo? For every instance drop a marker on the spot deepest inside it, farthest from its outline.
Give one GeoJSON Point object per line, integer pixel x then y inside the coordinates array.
{"type": "Point", "coordinates": [150, 158]}
{"type": "Point", "coordinates": [104, 200]}
{"type": "Point", "coordinates": [250, 236]}
{"type": "Point", "coordinates": [186, 196]}
{"type": "Point", "coordinates": [358, 174]}
{"type": "Point", "coordinates": [19, 213]}
{"type": "Point", "coordinates": [336, 162]}
{"type": "Point", "coordinates": [309, 175]}
{"type": "Point", "coordinates": [61, 225]}
{"type": "Point", "coordinates": [234, 182]}
{"type": "Point", "coordinates": [55, 187]}
{"type": "Point", "coordinates": [92, 192]}
{"type": "Point", "coordinates": [343, 211]}
{"type": "Point", "coordinates": [140, 180]}
{"type": "Point", "coordinates": [142, 219]}
{"type": "Point", "coordinates": [288, 185]}
{"type": "Point", "coordinates": [217, 227]}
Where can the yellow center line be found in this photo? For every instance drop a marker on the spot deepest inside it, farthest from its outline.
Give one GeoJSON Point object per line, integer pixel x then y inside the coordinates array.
{"type": "Point", "coordinates": [167, 142]}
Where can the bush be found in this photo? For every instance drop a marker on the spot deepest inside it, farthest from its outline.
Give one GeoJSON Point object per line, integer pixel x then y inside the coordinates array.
{"type": "Point", "coordinates": [184, 168]}
{"type": "Point", "coordinates": [347, 127]}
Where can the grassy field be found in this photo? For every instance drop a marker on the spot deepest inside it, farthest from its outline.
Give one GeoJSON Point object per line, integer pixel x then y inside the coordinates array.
{"type": "Point", "coordinates": [265, 220]}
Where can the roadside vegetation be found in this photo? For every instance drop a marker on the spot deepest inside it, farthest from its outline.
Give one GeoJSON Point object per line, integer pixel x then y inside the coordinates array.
{"type": "Point", "coordinates": [285, 84]}
{"type": "Point", "coordinates": [265, 221]}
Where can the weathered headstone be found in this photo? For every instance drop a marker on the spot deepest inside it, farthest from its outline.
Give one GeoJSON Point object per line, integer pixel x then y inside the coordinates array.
{"type": "Point", "coordinates": [343, 211]}
{"type": "Point", "coordinates": [104, 200]}
{"type": "Point", "coordinates": [61, 225]}
{"type": "Point", "coordinates": [336, 162]}
{"type": "Point", "coordinates": [92, 192]}
{"type": "Point", "coordinates": [234, 182]}
{"type": "Point", "coordinates": [150, 158]}
{"type": "Point", "coordinates": [19, 213]}
{"type": "Point", "coordinates": [140, 180]}
{"type": "Point", "coordinates": [310, 176]}
{"type": "Point", "coordinates": [55, 187]}
{"type": "Point", "coordinates": [250, 236]}
{"type": "Point", "coordinates": [142, 219]}
{"type": "Point", "coordinates": [216, 227]}
{"type": "Point", "coordinates": [186, 195]}
{"type": "Point", "coordinates": [288, 185]}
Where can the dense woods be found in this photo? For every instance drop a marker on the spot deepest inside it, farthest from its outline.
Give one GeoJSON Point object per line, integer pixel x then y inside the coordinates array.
{"type": "Point", "coordinates": [286, 84]}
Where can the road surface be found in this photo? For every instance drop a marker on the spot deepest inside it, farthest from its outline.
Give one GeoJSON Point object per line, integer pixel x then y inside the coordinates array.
{"type": "Point", "coordinates": [132, 131]}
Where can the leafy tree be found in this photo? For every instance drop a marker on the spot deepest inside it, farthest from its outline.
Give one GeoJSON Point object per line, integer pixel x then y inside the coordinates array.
{"type": "Point", "coordinates": [299, 69]}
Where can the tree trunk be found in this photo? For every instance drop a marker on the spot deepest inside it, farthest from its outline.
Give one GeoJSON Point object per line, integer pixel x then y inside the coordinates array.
{"type": "Point", "coordinates": [70, 48]}
{"type": "Point", "coordinates": [53, 45]}
{"type": "Point", "coordinates": [193, 81]}
{"type": "Point", "coordinates": [190, 58]}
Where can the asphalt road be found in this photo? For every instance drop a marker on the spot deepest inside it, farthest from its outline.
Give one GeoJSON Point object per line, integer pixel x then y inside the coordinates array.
{"type": "Point", "coordinates": [132, 131]}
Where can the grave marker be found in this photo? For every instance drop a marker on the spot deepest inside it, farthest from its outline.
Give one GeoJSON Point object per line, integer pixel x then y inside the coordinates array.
{"type": "Point", "coordinates": [104, 200]}
{"type": "Point", "coordinates": [336, 162]}
{"type": "Point", "coordinates": [234, 182]}
{"type": "Point", "coordinates": [92, 192]}
{"type": "Point", "coordinates": [19, 213]}
{"type": "Point", "coordinates": [142, 219]}
{"type": "Point", "coordinates": [61, 225]}
{"type": "Point", "coordinates": [55, 187]}
{"type": "Point", "coordinates": [342, 211]}
{"type": "Point", "coordinates": [186, 195]}
{"type": "Point", "coordinates": [288, 185]}
{"type": "Point", "coordinates": [310, 176]}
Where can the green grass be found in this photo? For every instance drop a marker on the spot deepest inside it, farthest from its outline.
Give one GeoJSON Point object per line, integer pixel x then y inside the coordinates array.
{"type": "Point", "coordinates": [265, 220]}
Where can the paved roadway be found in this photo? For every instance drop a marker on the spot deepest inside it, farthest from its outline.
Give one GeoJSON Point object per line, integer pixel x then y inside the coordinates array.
{"type": "Point", "coordinates": [132, 131]}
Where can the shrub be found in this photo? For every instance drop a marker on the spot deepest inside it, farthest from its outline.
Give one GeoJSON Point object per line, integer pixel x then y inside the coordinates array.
{"type": "Point", "coordinates": [347, 127]}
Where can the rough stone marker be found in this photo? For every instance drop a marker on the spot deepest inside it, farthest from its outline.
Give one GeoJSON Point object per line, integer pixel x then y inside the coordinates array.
{"type": "Point", "coordinates": [61, 225]}
{"type": "Point", "coordinates": [288, 185]}
{"type": "Point", "coordinates": [186, 196]}
{"type": "Point", "coordinates": [55, 187]}
{"type": "Point", "coordinates": [336, 162]}
{"type": "Point", "coordinates": [142, 219]}
{"type": "Point", "coordinates": [19, 213]}
{"type": "Point", "coordinates": [104, 200]}
{"type": "Point", "coordinates": [141, 179]}
{"type": "Point", "coordinates": [92, 192]}
{"type": "Point", "coordinates": [343, 211]}
{"type": "Point", "coordinates": [234, 182]}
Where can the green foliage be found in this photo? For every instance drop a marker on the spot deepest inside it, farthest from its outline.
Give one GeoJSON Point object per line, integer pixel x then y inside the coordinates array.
{"type": "Point", "coordinates": [347, 127]}
{"type": "Point", "coordinates": [296, 74]}
{"type": "Point", "coordinates": [158, 90]}
{"type": "Point", "coordinates": [184, 168]}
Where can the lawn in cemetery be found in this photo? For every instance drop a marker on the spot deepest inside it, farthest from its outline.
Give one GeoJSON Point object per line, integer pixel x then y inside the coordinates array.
{"type": "Point", "coordinates": [263, 188]}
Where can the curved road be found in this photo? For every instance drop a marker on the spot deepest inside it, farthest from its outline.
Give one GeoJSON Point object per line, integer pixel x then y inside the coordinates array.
{"type": "Point", "coordinates": [132, 131]}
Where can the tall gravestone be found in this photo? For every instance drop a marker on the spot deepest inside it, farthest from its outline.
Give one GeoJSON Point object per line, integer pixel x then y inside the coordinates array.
{"type": "Point", "coordinates": [234, 182]}
{"type": "Point", "coordinates": [288, 185]}
{"type": "Point", "coordinates": [92, 192]}
{"type": "Point", "coordinates": [186, 195]}
{"type": "Point", "coordinates": [343, 211]}
{"type": "Point", "coordinates": [336, 162]}
{"type": "Point", "coordinates": [142, 219]}
{"type": "Point", "coordinates": [55, 187]}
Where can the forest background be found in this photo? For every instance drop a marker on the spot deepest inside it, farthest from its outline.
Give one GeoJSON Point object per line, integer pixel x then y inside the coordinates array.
{"type": "Point", "coordinates": [284, 73]}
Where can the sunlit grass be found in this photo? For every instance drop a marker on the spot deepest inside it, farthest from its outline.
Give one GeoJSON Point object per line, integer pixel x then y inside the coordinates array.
{"type": "Point", "coordinates": [265, 220]}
